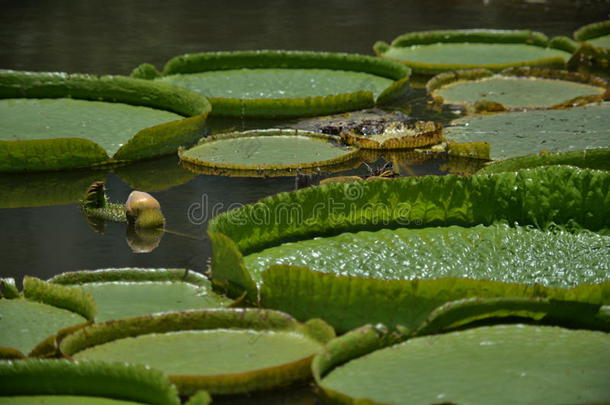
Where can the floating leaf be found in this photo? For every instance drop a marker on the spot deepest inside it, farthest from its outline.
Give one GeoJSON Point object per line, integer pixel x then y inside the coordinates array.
{"type": "Point", "coordinates": [8, 289]}
{"type": "Point", "coordinates": [121, 293]}
{"type": "Point", "coordinates": [57, 121]}
{"type": "Point", "coordinates": [35, 381]}
{"type": "Point", "coordinates": [541, 364]}
{"type": "Point", "coordinates": [596, 34]}
{"type": "Point", "coordinates": [457, 314]}
{"type": "Point", "coordinates": [554, 200]}
{"type": "Point", "coordinates": [44, 311]}
{"type": "Point", "coordinates": [517, 88]}
{"type": "Point", "coordinates": [499, 253]}
{"type": "Point", "coordinates": [589, 158]}
{"type": "Point", "coordinates": [284, 83]}
{"type": "Point", "coordinates": [268, 151]}
{"type": "Point", "coordinates": [399, 136]}
{"type": "Point", "coordinates": [516, 134]}
{"type": "Point", "coordinates": [223, 351]}
{"type": "Point", "coordinates": [432, 52]}
{"type": "Point", "coordinates": [594, 50]}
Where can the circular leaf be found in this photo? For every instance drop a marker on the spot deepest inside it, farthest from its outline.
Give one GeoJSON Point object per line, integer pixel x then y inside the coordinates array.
{"type": "Point", "coordinates": [475, 366]}
{"type": "Point", "coordinates": [516, 88]}
{"type": "Point", "coordinates": [285, 83]}
{"type": "Point", "coordinates": [516, 134]}
{"type": "Point", "coordinates": [268, 150]}
{"type": "Point", "coordinates": [223, 351]}
{"type": "Point", "coordinates": [431, 52]}
{"type": "Point", "coordinates": [121, 293]}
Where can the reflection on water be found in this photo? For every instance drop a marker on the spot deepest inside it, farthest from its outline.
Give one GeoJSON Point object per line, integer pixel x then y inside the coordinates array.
{"type": "Point", "coordinates": [42, 232]}
{"type": "Point", "coordinates": [114, 36]}
{"type": "Point", "coordinates": [143, 240]}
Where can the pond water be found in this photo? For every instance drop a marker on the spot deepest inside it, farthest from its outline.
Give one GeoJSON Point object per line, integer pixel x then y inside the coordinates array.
{"type": "Point", "coordinates": [114, 36]}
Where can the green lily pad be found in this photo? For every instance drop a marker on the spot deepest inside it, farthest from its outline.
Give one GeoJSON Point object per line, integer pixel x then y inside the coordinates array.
{"type": "Point", "coordinates": [499, 253]}
{"type": "Point", "coordinates": [57, 121]}
{"type": "Point", "coordinates": [601, 41]}
{"type": "Point", "coordinates": [26, 323]}
{"type": "Point", "coordinates": [275, 150]}
{"type": "Point", "coordinates": [590, 158]}
{"type": "Point", "coordinates": [517, 88]}
{"type": "Point", "coordinates": [549, 311]}
{"type": "Point", "coordinates": [283, 83]}
{"type": "Point", "coordinates": [540, 364]}
{"type": "Point", "coordinates": [44, 310]}
{"type": "Point", "coordinates": [385, 275]}
{"type": "Point", "coordinates": [36, 381]}
{"type": "Point", "coordinates": [596, 34]}
{"type": "Point", "coordinates": [222, 351]}
{"type": "Point", "coordinates": [110, 125]}
{"type": "Point", "coordinates": [432, 52]}
{"type": "Point", "coordinates": [516, 134]}
{"type": "Point", "coordinates": [121, 293]}
{"type": "Point", "coordinates": [254, 84]}
{"type": "Point", "coordinates": [594, 51]}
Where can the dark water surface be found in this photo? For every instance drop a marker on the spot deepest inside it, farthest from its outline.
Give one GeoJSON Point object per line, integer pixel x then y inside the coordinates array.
{"type": "Point", "coordinates": [114, 36]}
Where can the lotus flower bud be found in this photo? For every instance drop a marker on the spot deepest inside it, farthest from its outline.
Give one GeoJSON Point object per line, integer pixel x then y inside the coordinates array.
{"type": "Point", "coordinates": [143, 210]}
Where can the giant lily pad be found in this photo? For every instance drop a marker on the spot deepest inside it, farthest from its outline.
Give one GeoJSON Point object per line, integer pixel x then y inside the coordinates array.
{"type": "Point", "coordinates": [376, 280]}
{"type": "Point", "coordinates": [283, 83]}
{"type": "Point", "coordinates": [590, 158]}
{"type": "Point", "coordinates": [498, 252]}
{"type": "Point", "coordinates": [275, 151]}
{"type": "Point", "coordinates": [516, 88]}
{"type": "Point", "coordinates": [540, 364]}
{"type": "Point", "coordinates": [516, 134]}
{"type": "Point", "coordinates": [42, 311]}
{"type": "Point", "coordinates": [223, 351]}
{"type": "Point", "coordinates": [432, 52]}
{"type": "Point", "coordinates": [596, 34]}
{"type": "Point", "coordinates": [55, 121]}
{"type": "Point", "coordinates": [35, 381]}
{"type": "Point", "coordinates": [121, 293]}
{"type": "Point", "coordinates": [594, 50]}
